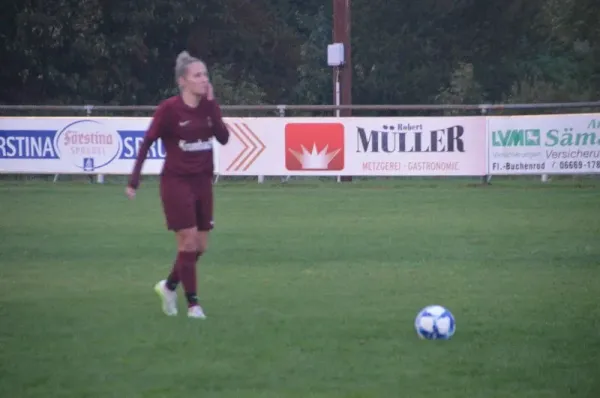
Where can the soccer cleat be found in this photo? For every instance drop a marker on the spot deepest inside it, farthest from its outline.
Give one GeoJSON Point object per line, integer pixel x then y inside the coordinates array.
{"type": "Point", "coordinates": [196, 312]}
{"type": "Point", "coordinates": [168, 298]}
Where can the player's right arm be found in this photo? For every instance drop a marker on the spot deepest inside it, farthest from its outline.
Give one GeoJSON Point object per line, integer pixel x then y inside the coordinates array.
{"type": "Point", "coordinates": [154, 132]}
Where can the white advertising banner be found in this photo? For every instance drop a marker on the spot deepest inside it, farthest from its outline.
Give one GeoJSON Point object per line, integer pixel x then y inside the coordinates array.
{"type": "Point", "coordinates": [356, 146]}
{"type": "Point", "coordinates": [544, 144]}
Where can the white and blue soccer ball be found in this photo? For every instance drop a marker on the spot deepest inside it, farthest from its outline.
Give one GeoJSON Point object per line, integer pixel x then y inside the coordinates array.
{"type": "Point", "coordinates": [435, 322]}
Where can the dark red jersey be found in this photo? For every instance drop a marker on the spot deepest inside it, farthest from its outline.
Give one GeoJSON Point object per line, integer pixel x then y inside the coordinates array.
{"type": "Point", "coordinates": [186, 134]}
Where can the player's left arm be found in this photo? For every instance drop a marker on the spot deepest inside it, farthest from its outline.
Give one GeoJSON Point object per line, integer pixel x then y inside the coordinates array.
{"type": "Point", "coordinates": [219, 128]}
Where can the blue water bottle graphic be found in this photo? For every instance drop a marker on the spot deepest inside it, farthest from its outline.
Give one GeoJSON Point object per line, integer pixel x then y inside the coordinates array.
{"type": "Point", "coordinates": [88, 164]}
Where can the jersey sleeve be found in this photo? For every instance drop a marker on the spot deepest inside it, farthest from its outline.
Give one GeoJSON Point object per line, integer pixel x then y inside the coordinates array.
{"type": "Point", "coordinates": [219, 128]}
{"type": "Point", "coordinates": [155, 131]}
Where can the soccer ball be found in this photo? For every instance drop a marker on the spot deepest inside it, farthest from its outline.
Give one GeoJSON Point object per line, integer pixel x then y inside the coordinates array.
{"type": "Point", "coordinates": [435, 322]}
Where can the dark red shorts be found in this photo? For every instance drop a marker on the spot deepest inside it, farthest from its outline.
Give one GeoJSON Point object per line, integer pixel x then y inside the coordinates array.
{"type": "Point", "coordinates": [187, 202]}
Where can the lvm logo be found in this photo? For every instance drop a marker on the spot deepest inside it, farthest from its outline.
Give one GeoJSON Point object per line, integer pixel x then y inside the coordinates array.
{"type": "Point", "coordinates": [551, 138]}
{"type": "Point", "coordinates": [516, 138]}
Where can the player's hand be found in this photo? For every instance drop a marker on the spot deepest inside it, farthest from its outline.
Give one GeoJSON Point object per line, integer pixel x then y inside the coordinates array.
{"type": "Point", "coordinates": [130, 192]}
{"type": "Point", "coordinates": [211, 92]}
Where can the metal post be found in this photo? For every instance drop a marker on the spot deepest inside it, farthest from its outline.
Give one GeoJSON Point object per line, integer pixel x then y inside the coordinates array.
{"type": "Point", "coordinates": [281, 111]}
{"type": "Point", "coordinates": [486, 178]}
{"type": "Point", "coordinates": [337, 100]}
{"type": "Point", "coordinates": [99, 177]}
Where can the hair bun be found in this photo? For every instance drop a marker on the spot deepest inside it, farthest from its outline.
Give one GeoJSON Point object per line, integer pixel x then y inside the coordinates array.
{"type": "Point", "coordinates": [183, 58]}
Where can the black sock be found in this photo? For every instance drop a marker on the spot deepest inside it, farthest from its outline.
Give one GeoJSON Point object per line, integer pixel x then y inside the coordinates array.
{"type": "Point", "coordinates": [171, 284]}
{"type": "Point", "coordinates": [192, 299]}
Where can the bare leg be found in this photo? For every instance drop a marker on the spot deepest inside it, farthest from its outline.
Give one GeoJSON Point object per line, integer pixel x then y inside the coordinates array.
{"type": "Point", "coordinates": [184, 244]}
{"type": "Point", "coordinates": [187, 251]}
{"type": "Point", "coordinates": [202, 241]}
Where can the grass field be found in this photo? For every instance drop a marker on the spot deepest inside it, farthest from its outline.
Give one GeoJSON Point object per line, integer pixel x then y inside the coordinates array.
{"type": "Point", "coordinates": [310, 289]}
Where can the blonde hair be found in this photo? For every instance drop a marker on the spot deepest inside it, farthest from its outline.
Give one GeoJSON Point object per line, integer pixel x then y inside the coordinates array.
{"type": "Point", "coordinates": [184, 59]}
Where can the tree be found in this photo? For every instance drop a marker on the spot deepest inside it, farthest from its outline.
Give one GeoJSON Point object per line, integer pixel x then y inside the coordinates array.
{"type": "Point", "coordinates": [274, 51]}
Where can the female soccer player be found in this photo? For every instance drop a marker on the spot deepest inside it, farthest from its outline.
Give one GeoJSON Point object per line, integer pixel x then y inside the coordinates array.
{"type": "Point", "coordinates": [186, 124]}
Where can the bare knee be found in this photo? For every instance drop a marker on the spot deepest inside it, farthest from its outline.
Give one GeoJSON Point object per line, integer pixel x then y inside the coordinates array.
{"type": "Point", "coordinates": [202, 241]}
{"type": "Point", "coordinates": [187, 240]}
